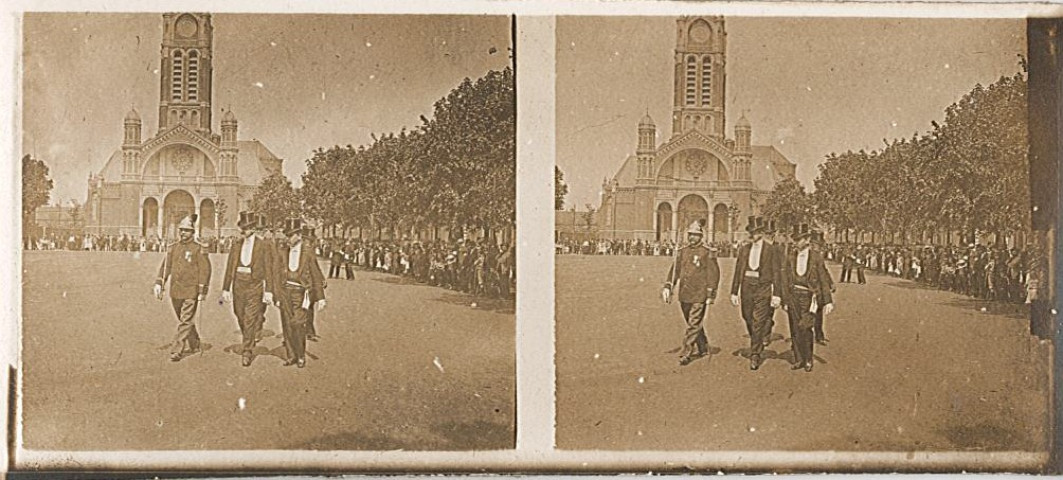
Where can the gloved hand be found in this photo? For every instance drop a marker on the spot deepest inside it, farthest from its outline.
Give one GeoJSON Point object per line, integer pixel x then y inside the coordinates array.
{"type": "Point", "coordinates": [775, 301]}
{"type": "Point", "coordinates": [827, 309]}
{"type": "Point", "coordinates": [157, 290]}
{"type": "Point", "coordinates": [227, 296]}
{"type": "Point", "coordinates": [267, 298]}
{"type": "Point", "coordinates": [734, 300]}
{"type": "Point", "coordinates": [320, 305]}
{"type": "Point", "coordinates": [666, 295]}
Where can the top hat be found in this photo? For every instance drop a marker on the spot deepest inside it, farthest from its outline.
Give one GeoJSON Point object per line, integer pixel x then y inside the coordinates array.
{"type": "Point", "coordinates": [188, 223]}
{"type": "Point", "coordinates": [817, 236]}
{"type": "Point", "coordinates": [294, 225]}
{"type": "Point", "coordinates": [769, 226]}
{"type": "Point", "coordinates": [800, 231]}
{"type": "Point", "coordinates": [752, 223]}
{"type": "Point", "coordinates": [695, 229]}
{"type": "Point", "coordinates": [247, 220]}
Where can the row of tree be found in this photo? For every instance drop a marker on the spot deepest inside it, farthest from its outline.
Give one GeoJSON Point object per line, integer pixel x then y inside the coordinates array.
{"type": "Point", "coordinates": [968, 174]}
{"type": "Point", "coordinates": [456, 171]}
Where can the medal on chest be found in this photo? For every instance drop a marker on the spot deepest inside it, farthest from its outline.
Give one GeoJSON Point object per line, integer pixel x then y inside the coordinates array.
{"type": "Point", "coordinates": [697, 261]}
{"type": "Point", "coordinates": [188, 256]}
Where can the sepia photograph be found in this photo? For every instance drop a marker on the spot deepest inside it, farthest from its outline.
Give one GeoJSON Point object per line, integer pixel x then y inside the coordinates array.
{"type": "Point", "coordinates": [267, 232]}
{"type": "Point", "coordinates": [800, 235]}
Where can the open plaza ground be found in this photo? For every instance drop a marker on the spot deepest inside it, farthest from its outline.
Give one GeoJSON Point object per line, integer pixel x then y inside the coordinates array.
{"type": "Point", "coordinates": [399, 366]}
{"type": "Point", "coordinates": [907, 368]}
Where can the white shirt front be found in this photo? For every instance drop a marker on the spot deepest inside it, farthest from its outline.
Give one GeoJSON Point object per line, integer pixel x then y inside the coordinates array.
{"type": "Point", "coordinates": [754, 254]}
{"type": "Point", "coordinates": [245, 253]}
{"type": "Point", "coordinates": [293, 256]}
{"type": "Point", "coordinates": [802, 262]}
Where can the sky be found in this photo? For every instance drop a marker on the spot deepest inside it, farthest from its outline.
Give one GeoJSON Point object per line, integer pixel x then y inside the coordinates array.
{"type": "Point", "coordinates": [808, 86]}
{"type": "Point", "coordinates": [294, 82]}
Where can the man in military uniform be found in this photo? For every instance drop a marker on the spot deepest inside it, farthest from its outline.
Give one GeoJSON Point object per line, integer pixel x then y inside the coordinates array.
{"type": "Point", "coordinates": [754, 286]}
{"type": "Point", "coordinates": [698, 276]}
{"type": "Point", "coordinates": [300, 286]}
{"type": "Point", "coordinates": [187, 268]}
{"type": "Point", "coordinates": [804, 288]}
{"type": "Point", "coordinates": [248, 283]}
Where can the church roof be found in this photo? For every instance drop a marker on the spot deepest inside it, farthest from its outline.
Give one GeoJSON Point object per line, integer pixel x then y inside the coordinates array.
{"type": "Point", "coordinates": [132, 116]}
{"type": "Point", "coordinates": [229, 116]}
{"type": "Point", "coordinates": [768, 167]}
{"type": "Point", "coordinates": [253, 162]}
{"type": "Point", "coordinates": [647, 120]}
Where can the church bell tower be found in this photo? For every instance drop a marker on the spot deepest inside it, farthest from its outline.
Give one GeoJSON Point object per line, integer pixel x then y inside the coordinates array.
{"type": "Point", "coordinates": [185, 88]}
{"type": "Point", "coordinates": [700, 77]}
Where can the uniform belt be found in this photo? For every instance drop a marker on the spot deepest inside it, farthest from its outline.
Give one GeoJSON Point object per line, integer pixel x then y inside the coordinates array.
{"type": "Point", "coordinates": [802, 287]}
{"type": "Point", "coordinates": [291, 284]}
{"type": "Point", "coordinates": [752, 274]}
{"type": "Point", "coordinates": [243, 270]}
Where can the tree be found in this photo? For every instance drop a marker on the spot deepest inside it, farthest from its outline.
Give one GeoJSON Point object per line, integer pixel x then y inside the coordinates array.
{"type": "Point", "coordinates": [560, 189]}
{"type": "Point", "coordinates": [36, 187]}
{"type": "Point", "coordinates": [789, 204]}
{"type": "Point", "coordinates": [276, 199]}
{"type": "Point", "coordinates": [220, 209]}
{"type": "Point", "coordinates": [588, 218]}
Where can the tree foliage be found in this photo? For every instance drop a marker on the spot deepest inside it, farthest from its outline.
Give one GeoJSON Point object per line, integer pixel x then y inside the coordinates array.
{"type": "Point", "coordinates": [36, 186]}
{"type": "Point", "coordinates": [560, 189]}
{"type": "Point", "coordinates": [276, 199]}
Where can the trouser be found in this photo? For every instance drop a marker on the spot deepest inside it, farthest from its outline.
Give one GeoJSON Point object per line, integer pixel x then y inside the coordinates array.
{"type": "Point", "coordinates": [310, 330]}
{"type": "Point", "coordinates": [249, 310]}
{"type": "Point", "coordinates": [817, 328]}
{"type": "Point", "coordinates": [293, 323]}
{"type": "Point", "coordinates": [694, 339]}
{"type": "Point", "coordinates": [334, 270]}
{"type": "Point", "coordinates": [860, 274]}
{"type": "Point", "coordinates": [757, 312]}
{"type": "Point", "coordinates": [349, 271]}
{"type": "Point", "coordinates": [847, 273]}
{"type": "Point", "coordinates": [187, 337]}
{"type": "Point", "coordinates": [802, 321]}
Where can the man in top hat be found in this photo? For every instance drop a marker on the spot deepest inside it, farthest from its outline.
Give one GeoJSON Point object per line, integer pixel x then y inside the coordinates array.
{"type": "Point", "coordinates": [697, 274]}
{"type": "Point", "coordinates": [187, 268]}
{"type": "Point", "coordinates": [299, 286]}
{"type": "Point", "coordinates": [248, 282]}
{"type": "Point", "coordinates": [819, 246]}
{"type": "Point", "coordinates": [754, 286]}
{"type": "Point", "coordinates": [804, 288]}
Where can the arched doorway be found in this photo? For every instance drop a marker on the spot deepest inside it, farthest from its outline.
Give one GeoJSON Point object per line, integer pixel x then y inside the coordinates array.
{"type": "Point", "coordinates": [207, 226]}
{"type": "Point", "coordinates": [664, 222]}
{"type": "Point", "coordinates": [721, 223]}
{"type": "Point", "coordinates": [177, 205]}
{"type": "Point", "coordinates": [692, 208]}
{"type": "Point", "coordinates": [149, 225]}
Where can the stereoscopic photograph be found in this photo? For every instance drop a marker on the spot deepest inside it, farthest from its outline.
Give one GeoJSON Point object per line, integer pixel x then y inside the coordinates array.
{"type": "Point", "coordinates": [800, 234]}
{"type": "Point", "coordinates": [267, 232]}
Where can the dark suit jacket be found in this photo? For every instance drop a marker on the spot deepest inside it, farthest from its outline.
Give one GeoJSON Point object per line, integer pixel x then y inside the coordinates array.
{"type": "Point", "coordinates": [769, 266]}
{"type": "Point", "coordinates": [308, 274]}
{"type": "Point", "coordinates": [261, 263]}
{"type": "Point", "coordinates": [818, 279]}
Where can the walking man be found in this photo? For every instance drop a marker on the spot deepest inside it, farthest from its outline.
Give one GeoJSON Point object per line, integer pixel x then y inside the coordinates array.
{"type": "Point", "coordinates": [754, 286]}
{"type": "Point", "coordinates": [819, 246]}
{"type": "Point", "coordinates": [697, 274]}
{"type": "Point", "coordinates": [187, 268]}
{"type": "Point", "coordinates": [804, 288]}
{"type": "Point", "coordinates": [248, 283]}
{"type": "Point", "coordinates": [300, 286]}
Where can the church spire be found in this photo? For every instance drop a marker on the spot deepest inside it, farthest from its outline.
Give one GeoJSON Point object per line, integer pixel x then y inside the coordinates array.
{"type": "Point", "coordinates": [700, 60]}
{"type": "Point", "coordinates": [187, 54]}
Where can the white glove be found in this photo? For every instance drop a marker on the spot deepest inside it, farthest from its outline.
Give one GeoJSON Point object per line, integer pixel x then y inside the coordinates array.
{"type": "Point", "coordinates": [666, 295]}
{"type": "Point", "coordinates": [734, 300]}
{"type": "Point", "coordinates": [827, 309]}
{"type": "Point", "coordinates": [775, 302]}
{"type": "Point", "coordinates": [227, 296]}
{"type": "Point", "coordinates": [320, 305]}
{"type": "Point", "coordinates": [157, 290]}
{"type": "Point", "coordinates": [267, 298]}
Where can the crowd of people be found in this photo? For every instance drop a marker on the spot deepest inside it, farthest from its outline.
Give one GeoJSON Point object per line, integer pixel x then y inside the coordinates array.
{"type": "Point", "coordinates": [480, 268]}
{"type": "Point", "coordinates": [118, 243]}
{"type": "Point", "coordinates": [985, 272]}
{"type": "Point", "coordinates": [635, 247]}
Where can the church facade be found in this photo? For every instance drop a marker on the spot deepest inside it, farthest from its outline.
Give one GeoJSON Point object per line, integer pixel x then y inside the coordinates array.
{"type": "Point", "coordinates": [698, 174]}
{"type": "Point", "coordinates": [149, 184]}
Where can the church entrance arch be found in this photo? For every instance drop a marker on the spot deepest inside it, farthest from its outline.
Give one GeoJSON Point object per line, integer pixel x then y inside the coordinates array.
{"type": "Point", "coordinates": [207, 217]}
{"type": "Point", "coordinates": [149, 225]}
{"type": "Point", "coordinates": [178, 204]}
{"type": "Point", "coordinates": [664, 221]}
{"type": "Point", "coordinates": [693, 208]}
{"type": "Point", "coordinates": [721, 224]}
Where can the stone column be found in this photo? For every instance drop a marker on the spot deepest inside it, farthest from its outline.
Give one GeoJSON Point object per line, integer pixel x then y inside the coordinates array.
{"type": "Point", "coordinates": [158, 226]}
{"type": "Point", "coordinates": [675, 224]}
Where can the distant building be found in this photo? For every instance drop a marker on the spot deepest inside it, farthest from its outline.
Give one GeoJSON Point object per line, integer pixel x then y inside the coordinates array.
{"type": "Point", "coordinates": [574, 225]}
{"type": "Point", "coordinates": [59, 221]}
{"type": "Point", "coordinates": [148, 185]}
{"type": "Point", "coordinates": [697, 174]}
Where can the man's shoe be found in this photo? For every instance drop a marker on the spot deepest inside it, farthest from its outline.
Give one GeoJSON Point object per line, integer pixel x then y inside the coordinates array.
{"type": "Point", "coordinates": [174, 357]}
{"type": "Point", "coordinates": [797, 366]}
{"type": "Point", "coordinates": [822, 341]}
{"type": "Point", "coordinates": [289, 362]}
{"type": "Point", "coordinates": [754, 362]}
{"type": "Point", "coordinates": [685, 360]}
{"type": "Point", "coordinates": [301, 363]}
{"type": "Point", "coordinates": [313, 338]}
{"type": "Point", "coordinates": [808, 366]}
{"type": "Point", "coordinates": [246, 361]}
